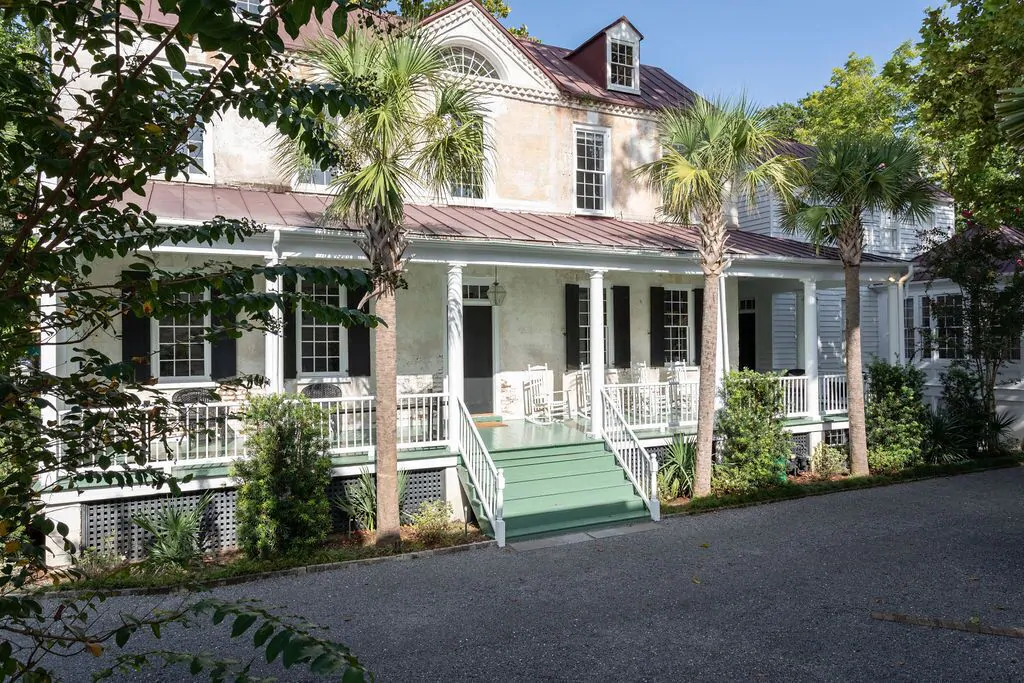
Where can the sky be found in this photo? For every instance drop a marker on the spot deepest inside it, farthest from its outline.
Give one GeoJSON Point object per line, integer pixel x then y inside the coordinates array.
{"type": "Point", "coordinates": [772, 50]}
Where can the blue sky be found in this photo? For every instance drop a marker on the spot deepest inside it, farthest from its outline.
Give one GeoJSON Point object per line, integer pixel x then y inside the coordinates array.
{"type": "Point", "coordinates": [774, 50]}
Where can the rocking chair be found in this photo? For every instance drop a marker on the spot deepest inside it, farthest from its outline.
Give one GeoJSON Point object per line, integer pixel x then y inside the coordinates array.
{"type": "Point", "coordinates": [543, 406]}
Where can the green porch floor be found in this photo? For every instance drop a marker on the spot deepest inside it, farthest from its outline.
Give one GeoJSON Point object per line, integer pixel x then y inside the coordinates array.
{"type": "Point", "coordinates": [517, 435]}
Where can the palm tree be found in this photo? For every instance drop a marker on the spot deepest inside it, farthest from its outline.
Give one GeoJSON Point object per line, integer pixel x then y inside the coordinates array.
{"type": "Point", "coordinates": [852, 177]}
{"type": "Point", "coordinates": [712, 153]}
{"type": "Point", "coordinates": [1010, 112]}
{"type": "Point", "coordinates": [422, 134]}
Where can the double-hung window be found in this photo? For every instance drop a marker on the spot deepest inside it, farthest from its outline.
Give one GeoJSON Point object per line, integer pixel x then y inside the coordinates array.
{"type": "Point", "coordinates": [592, 160]}
{"type": "Point", "coordinates": [322, 346]}
{"type": "Point", "coordinates": [182, 352]}
{"type": "Point", "coordinates": [622, 65]}
{"type": "Point", "coordinates": [888, 233]}
{"type": "Point", "coordinates": [909, 329]}
{"type": "Point", "coordinates": [949, 326]}
{"type": "Point", "coordinates": [470, 182]}
{"type": "Point", "coordinates": [677, 326]}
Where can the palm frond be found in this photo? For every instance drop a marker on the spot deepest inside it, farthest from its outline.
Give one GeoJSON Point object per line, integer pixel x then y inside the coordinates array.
{"type": "Point", "coordinates": [1010, 112]}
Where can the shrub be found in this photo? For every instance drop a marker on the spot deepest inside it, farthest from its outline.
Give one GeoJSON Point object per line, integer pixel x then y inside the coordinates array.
{"type": "Point", "coordinates": [755, 446]}
{"type": "Point", "coordinates": [830, 461]}
{"type": "Point", "coordinates": [961, 398]}
{"type": "Point", "coordinates": [94, 563]}
{"type": "Point", "coordinates": [282, 495]}
{"type": "Point", "coordinates": [668, 488]}
{"type": "Point", "coordinates": [945, 439]}
{"type": "Point", "coordinates": [677, 470]}
{"type": "Point", "coordinates": [433, 521]}
{"type": "Point", "coordinates": [895, 415]}
{"type": "Point", "coordinates": [176, 541]}
{"type": "Point", "coordinates": [359, 501]}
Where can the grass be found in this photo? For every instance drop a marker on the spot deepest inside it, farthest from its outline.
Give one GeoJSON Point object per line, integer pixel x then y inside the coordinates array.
{"type": "Point", "coordinates": [228, 570]}
{"type": "Point", "coordinates": [790, 491]}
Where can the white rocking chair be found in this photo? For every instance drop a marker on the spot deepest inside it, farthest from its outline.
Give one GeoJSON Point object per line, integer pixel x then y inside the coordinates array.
{"type": "Point", "coordinates": [583, 392]}
{"type": "Point", "coordinates": [543, 406]}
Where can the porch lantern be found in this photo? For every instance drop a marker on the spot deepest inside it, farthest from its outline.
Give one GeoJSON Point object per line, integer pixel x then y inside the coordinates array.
{"type": "Point", "coordinates": [496, 293]}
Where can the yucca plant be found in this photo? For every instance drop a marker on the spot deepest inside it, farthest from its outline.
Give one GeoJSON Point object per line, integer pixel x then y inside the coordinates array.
{"type": "Point", "coordinates": [176, 532]}
{"type": "Point", "coordinates": [359, 501]}
{"type": "Point", "coordinates": [679, 467]}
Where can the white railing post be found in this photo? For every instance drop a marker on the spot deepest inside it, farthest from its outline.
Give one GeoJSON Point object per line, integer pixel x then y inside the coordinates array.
{"type": "Point", "coordinates": [273, 349]}
{"type": "Point", "coordinates": [597, 359]}
{"type": "Point", "coordinates": [456, 370]}
{"type": "Point", "coordinates": [640, 466]}
{"type": "Point", "coordinates": [810, 350]}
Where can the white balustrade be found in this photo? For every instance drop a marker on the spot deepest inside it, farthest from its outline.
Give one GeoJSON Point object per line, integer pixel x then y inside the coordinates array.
{"type": "Point", "coordinates": [641, 467]}
{"type": "Point", "coordinates": [488, 480]}
{"type": "Point", "coordinates": [656, 405]}
{"type": "Point", "coordinates": [794, 396]}
{"type": "Point", "coordinates": [833, 394]}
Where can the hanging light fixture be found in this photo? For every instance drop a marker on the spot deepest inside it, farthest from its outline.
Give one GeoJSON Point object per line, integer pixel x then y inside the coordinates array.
{"type": "Point", "coordinates": [496, 293]}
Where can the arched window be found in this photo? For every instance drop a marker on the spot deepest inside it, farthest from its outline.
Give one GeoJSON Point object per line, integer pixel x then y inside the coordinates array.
{"type": "Point", "coordinates": [464, 60]}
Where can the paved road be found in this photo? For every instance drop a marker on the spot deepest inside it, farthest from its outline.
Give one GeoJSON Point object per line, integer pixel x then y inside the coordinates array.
{"type": "Point", "coordinates": [776, 592]}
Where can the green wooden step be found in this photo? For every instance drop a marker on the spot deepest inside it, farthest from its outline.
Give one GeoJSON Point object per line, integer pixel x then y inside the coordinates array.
{"type": "Point", "coordinates": [565, 484]}
{"type": "Point", "coordinates": [549, 451]}
{"type": "Point", "coordinates": [555, 465]}
{"type": "Point", "coordinates": [599, 515]}
{"type": "Point", "coordinates": [569, 500]}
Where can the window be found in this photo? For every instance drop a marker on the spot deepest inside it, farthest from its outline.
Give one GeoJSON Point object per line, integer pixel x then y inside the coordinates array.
{"type": "Point", "coordinates": [585, 327]}
{"type": "Point", "coordinates": [322, 347]}
{"type": "Point", "coordinates": [748, 305]}
{"type": "Point", "coordinates": [888, 233]}
{"type": "Point", "coordinates": [949, 326]}
{"type": "Point", "coordinates": [470, 184]}
{"type": "Point", "coordinates": [622, 65]}
{"type": "Point", "coordinates": [926, 327]}
{"type": "Point", "coordinates": [195, 147]}
{"type": "Point", "coordinates": [181, 351]}
{"type": "Point", "coordinates": [837, 437]}
{"type": "Point", "coordinates": [677, 326]}
{"type": "Point", "coordinates": [468, 62]}
{"type": "Point", "coordinates": [318, 177]}
{"type": "Point", "coordinates": [591, 170]}
{"type": "Point", "coordinates": [475, 292]}
{"type": "Point", "coordinates": [247, 8]}
{"type": "Point", "coordinates": [909, 329]}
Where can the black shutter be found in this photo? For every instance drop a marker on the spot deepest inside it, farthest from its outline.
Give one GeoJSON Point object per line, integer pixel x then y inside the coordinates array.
{"type": "Point", "coordinates": [698, 324]}
{"type": "Point", "coordinates": [223, 350]}
{"type": "Point", "coordinates": [136, 345]}
{"type": "Point", "coordinates": [572, 327]}
{"type": "Point", "coordinates": [657, 327]}
{"type": "Point", "coordinates": [620, 311]}
{"type": "Point", "coordinates": [288, 286]}
{"type": "Point", "coordinates": [358, 338]}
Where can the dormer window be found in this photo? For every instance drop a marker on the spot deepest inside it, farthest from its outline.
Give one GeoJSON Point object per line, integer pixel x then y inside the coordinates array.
{"type": "Point", "coordinates": [622, 65]}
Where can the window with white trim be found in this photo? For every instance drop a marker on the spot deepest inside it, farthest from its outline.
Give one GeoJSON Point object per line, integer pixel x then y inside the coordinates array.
{"type": "Point", "coordinates": [475, 292]}
{"type": "Point", "coordinates": [250, 9]}
{"type": "Point", "coordinates": [677, 325]}
{"type": "Point", "coordinates": [909, 328]}
{"type": "Point", "coordinates": [949, 326]}
{"type": "Point", "coordinates": [318, 177]}
{"type": "Point", "coordinates": [585, 327]}
{"type": "Point", "coordinates": [322, 346]}
{"type": "Point", "coordinates": [623, 65]}
{"type": "Point", "coordinates": [888, 232]}
{"type": "Point", "coordinates": [470, 183]}
{"type": "Point", "coordinates": [196, 145]}
{"type": "Point", "coordinates": [468, 62]}
{"type": "Point", "coordinates": [592, 170]}
{"type": "Point", "coordinates": [181, 351]}
{"type": "Point", "coordinates": [926, 327]}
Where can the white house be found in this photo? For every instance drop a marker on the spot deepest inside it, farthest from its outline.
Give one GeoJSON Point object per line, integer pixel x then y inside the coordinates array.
{"type": "Point", "coordinates": [557, 261]}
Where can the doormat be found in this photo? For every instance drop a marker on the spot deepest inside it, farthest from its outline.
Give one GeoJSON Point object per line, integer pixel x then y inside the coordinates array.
{"type": "Point", "coordinates": [487, 425]}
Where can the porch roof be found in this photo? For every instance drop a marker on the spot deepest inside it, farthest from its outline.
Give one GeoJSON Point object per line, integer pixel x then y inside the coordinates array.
{"type": "Point", "coordinates": [196, 202]}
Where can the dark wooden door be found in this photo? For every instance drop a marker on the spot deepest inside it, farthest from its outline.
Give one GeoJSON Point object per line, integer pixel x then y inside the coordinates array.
{"type": "Point", "coordinates": [748, 341]}
{"type": "Point", "coordinates": [478, 358]}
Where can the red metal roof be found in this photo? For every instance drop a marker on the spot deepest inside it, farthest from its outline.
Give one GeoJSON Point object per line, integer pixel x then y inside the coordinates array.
{"type": "Point", "coordinates": [191, 201]}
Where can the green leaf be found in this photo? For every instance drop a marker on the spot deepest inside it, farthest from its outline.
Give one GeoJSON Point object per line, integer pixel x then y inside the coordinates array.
{"type": "Point", "coordinates": [175, 57]}
{"type": "Point", "coordinates": [262, 633]}
{"type": "Point", "coordinates": [277, 644]}
{"type": "Point", "coordinates": [339, 21]}
{"type": "Point", "coordinates": [122, 635]}
{"type": "Point", "coordinates": [242, 624]}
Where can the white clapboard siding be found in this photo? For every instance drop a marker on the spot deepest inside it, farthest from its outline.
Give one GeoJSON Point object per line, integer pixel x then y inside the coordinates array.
{"type": "Point", "coordinates": [831, 357]}
{"type": "Point", "coordinates": [756, 217]}
{"type": "Point", "coordinates": [784, 336]}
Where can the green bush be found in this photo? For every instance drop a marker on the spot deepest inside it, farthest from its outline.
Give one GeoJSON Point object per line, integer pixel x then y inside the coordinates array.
{"type": "Point", "coordinates": [676, 473]}
{"type": "Point", "coordinates": [359, 501]}
{"type": "Point", "coordinates": [946, 439]}
{"type": "Point", "coordinates": [961, 402]}
{"type": "Point", "coordinates": [830, 461]}
{"type": "Point", "coordinates": [176, 542]}
{"type": "Point", "coordinates": [433, 521]}
{"type": "Point", "coordinates": [97, 562]}
{"type": "Point", "coordinates": [282, 494]}
{"type": "Point", "coordinates": [895, 415]}
{"type": "Point", "coordinates": [755, 446]}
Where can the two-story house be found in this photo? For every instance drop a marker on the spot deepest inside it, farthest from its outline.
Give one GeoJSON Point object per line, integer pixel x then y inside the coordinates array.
{"type": "Point", "coordinates": [549, 298]}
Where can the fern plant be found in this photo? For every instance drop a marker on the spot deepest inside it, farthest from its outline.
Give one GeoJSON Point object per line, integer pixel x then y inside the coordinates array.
{"type": "Point", "coordinates": [176, 539]}
{"type": "Point", "coordinates": [359, 501]}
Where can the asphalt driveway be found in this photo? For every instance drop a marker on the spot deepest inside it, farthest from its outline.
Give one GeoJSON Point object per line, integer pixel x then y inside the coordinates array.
{"type": "Point", "coordinates": [776, 592]}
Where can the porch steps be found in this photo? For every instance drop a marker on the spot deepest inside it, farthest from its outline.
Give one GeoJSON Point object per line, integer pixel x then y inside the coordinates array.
{"type": "Point", "coordinates": [560, 487]}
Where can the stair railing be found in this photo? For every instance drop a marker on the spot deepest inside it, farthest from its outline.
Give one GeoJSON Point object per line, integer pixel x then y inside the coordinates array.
{"type": "Point", "coordinates": [488, 480]}
{"type": "Point", "coordinates": [641, 467]}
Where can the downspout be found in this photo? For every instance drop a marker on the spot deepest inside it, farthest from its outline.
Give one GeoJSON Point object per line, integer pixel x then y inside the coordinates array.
{"type": "Point", "coordinates": [899, 307]}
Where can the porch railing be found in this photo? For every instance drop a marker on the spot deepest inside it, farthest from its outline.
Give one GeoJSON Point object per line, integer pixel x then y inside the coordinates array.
{"type": "Point", "coordinates": [794, 396]}
{"type": "Point", "coordinates": [212, 433]}
{"type": "Point", "coordinates": [833, 394]}
{"type": "Point", "coordinates": [655, 406]}
{"type": "Point", "coordinates": [641, 467]}
{"type": "Point", "coordinates": [487, 479]}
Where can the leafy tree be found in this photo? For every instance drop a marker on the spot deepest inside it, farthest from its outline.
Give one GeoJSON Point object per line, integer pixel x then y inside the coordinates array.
{"type": "Point", "coordinates": [969, 51]}
{"type": "Point", "coordinates": [986, 266]}
{"type": "Point", "coordinates": [786, 119]}
{"type": "Point", "coordinates": [426, 131]}
{"type": "Point", "coordinates": [853, 177]}
{"type": "Point", "coordinates": [712, 153]}
{"type": "Point", "coordinates": [85, 126]}
{"type": "Point", "coordinates": [499, 9]}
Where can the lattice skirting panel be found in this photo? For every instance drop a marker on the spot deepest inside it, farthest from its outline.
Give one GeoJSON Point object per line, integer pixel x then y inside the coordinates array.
{"type": "Point", "coordinates": [108, 525]}
{"type": "Point", "coordinates": [801, 459]}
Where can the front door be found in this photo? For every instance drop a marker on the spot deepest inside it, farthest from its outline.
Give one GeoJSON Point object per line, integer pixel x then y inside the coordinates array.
{"type": "Point", "coordinates": [478, 359]}
{"type": "Point", "coordinates": [748, 344]}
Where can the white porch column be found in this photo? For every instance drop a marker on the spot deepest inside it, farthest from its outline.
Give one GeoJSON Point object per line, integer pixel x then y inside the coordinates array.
{"type": "Point", "coordinates": [597, 360]}
{"type": "Point", "coordinates": [895, 323]}
{"type": "Point", "coordinates": [721, 344]}
{"type": "Point", "coordinates": [810, 346]}
{"type": "Point", "coordinates": [273, 344]}
{"type": "Point", "coordinates": [48, 348]}
{"type": "Point", "coordinates": [456, 371]}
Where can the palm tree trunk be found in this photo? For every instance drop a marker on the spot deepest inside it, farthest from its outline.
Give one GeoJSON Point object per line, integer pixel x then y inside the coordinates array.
{"type": "Point", "coordinates": [706, 388]}
{"type": "Point", "coordinates": [386, 389]}
{"type": "Point", "coordinates": [855, 374]}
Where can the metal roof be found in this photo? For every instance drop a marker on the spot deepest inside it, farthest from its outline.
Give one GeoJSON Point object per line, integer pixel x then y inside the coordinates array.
{"type": "Point", "coordinates": [196, 202]}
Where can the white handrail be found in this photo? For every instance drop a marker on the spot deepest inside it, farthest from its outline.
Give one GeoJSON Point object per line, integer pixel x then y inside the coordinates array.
{"type": "Point", "coordinates": [641, 467]}
{"type": "Point", "coordinates": [833, 394]}
{"type": "Point", "coordinates": [488, 480]}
